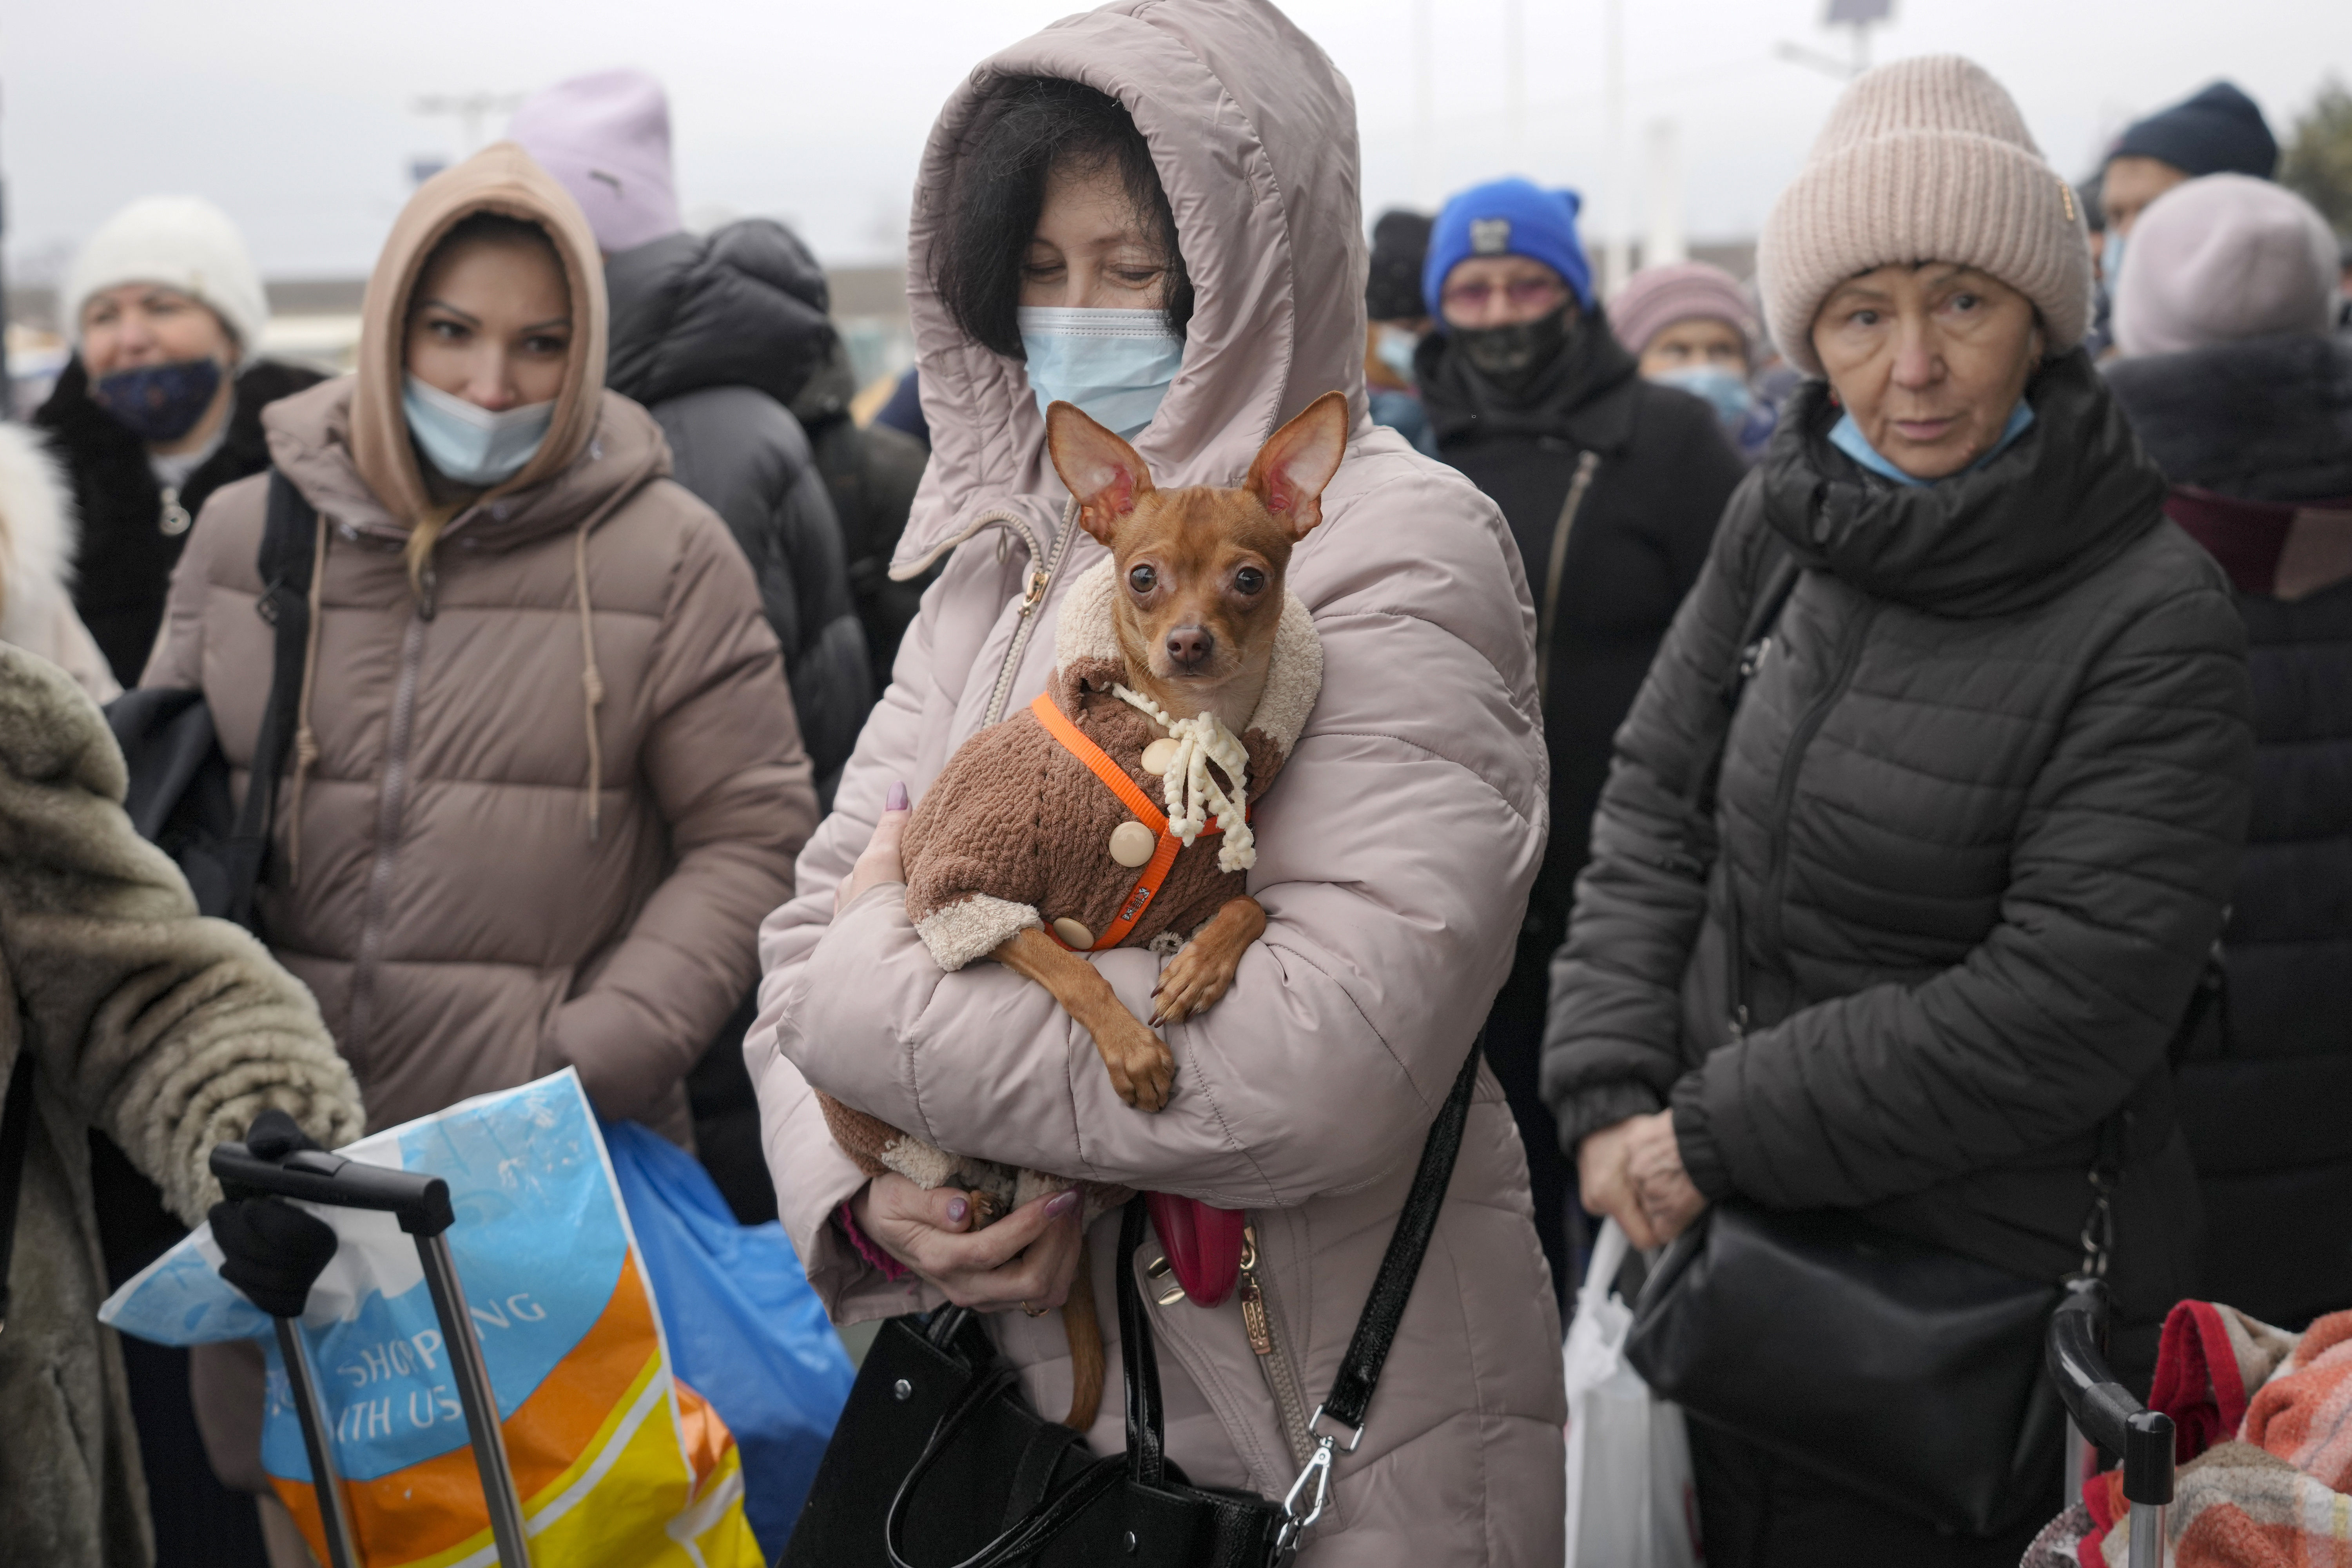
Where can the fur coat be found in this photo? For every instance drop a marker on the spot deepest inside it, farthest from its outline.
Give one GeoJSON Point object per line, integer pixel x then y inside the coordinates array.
{"type": "Point", "coordinates": [167, 1032]}
{"type": "Point", "coordinates": [38, 535]}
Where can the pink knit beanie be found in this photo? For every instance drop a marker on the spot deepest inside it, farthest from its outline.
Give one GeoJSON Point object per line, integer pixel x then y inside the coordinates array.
{"type": "Point", "coordinates": [2221, 258]}
{"type": "Point", "coordinates": [605, 138]}
{"type": "Point", "coordinates": [1923, 160]}
{"type": "Point", "coordinates": [1656, 297]}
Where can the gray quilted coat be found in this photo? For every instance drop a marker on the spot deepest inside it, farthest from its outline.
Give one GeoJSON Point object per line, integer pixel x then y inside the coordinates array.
{"type": "Point", "coordinates": [1973, 834]}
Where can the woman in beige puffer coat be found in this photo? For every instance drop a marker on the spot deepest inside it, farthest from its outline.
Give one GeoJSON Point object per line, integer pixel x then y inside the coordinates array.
{"type": "Point", "coordinates": [547, 779]}
{"type": "Point", "coordinates": [1394, 854]}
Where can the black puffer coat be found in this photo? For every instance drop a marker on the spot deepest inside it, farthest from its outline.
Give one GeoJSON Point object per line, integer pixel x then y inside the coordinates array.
{"type": "Point", "coordinates": [1975, 822]}
{"type": "Point", "coordinates": [2255, 437]}
{"type": "Point", "coordinates": [715, 334]}
{"type": "Point", "coordinates": [1661, 473]}
{"type": "Point", "coordinates": [124, 566]}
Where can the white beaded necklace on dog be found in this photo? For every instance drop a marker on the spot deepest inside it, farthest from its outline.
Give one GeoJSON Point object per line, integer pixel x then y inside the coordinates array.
{"type": "Point", "coordinates": [1194, 791]}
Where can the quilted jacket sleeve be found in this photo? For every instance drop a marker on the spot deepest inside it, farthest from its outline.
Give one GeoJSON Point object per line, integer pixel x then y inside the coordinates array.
{"type": "Point", "coordinates": [1611, 1037]}
{"type": "Point", "coordinates": [2117, 880]}
{"type": "Point", "coordinates": [168, 1032]}
{"type": "Point", "coordinates": [723, 760]}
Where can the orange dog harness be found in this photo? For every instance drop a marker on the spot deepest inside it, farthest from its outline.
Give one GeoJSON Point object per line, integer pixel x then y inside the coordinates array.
{"type": "Point", "coordinates": [1163, 854]}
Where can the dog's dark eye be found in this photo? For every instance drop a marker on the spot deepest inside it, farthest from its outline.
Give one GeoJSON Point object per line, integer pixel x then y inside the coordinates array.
{"type": "Point", "coordinates": [1143, 579]}
{"type": "Point", "coordinates": [1249, 580]}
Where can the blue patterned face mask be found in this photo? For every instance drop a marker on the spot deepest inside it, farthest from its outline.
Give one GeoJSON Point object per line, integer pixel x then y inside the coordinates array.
{"type": "Point", "coordinates": [159, 402]}
{"type": "Point", "coordinates": [1114, 364]}
{"type": "Point", "coordinates": [469, 443]}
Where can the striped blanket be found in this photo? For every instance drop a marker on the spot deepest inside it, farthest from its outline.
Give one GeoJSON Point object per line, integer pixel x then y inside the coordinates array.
{"type": "Point", "coordinates": [2264, 1424]}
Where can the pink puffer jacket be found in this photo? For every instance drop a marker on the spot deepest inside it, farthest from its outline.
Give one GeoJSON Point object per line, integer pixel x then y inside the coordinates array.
{"type": "Point", "coordinates": [1394, 853]}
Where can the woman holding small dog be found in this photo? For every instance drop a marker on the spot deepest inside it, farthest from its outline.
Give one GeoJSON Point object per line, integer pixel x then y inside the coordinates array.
{"type": "Point", "coordinates": [1903, 930]}
{"type": "Point", "coordinates": [1080, 235]}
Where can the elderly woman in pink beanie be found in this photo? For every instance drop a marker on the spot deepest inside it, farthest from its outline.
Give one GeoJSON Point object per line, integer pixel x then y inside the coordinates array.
{"type": "Point", "coordinates": [1914, 848]}
{"type": "Point", "coordinates": [1691, 326]}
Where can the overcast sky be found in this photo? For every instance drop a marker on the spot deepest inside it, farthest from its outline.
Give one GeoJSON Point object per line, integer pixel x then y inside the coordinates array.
{"type": "Point", "coordinates": [297, 115]}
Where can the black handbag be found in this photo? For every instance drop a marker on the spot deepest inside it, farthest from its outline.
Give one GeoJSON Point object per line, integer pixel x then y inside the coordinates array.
{"type": "Point", "coordinates": [179, 796]}
{"type": "Point", "coordinates": [938, 1461]}
{"type": "Point", "coordinates": [1897, 1369]}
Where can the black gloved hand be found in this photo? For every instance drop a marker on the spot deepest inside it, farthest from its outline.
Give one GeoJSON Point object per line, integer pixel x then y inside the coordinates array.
{"type": "Point", "coordinates": [275, 1252]}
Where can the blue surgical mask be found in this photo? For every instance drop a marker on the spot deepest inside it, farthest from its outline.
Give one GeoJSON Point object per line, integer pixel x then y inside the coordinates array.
{"type": "Point", "coordinates": [1847, 437]}
{"type": "Point", "coordinates": [2111, 262]}
{"type": "Point", "coordinates": [1114, 364]}
{"type": "Point", "coordinates": [159, 402]}
{"type": "Point", "coordinates": [1395, 347]}
{"type": "Point", "coordinates": [1725, 390]}
{"type": "Point", "coordinates": [469, 443]}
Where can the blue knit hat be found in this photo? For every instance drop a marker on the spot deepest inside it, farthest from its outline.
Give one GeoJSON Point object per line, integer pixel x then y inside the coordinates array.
{"type": "Point", "coordinates": [1507, 218]}
{"type": "Point", "coordinates": [2218, 131]}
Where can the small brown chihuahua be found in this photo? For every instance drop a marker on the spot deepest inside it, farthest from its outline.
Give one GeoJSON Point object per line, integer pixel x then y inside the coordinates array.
{"type": "Point", "coordinates": [1184, 668]}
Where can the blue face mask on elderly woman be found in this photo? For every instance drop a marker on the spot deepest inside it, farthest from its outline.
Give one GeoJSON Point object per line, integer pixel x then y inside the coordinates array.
{"type": "Point", "coordinates": [1115, 365]}
{"type": "Point", "coordinates": [159, 402]}
{"type": "Point", "coordinates": [1724, 391]}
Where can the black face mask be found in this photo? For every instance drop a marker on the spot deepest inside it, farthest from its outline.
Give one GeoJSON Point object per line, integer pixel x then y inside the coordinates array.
{"type": "Point", "coordinates": [1515, 355]}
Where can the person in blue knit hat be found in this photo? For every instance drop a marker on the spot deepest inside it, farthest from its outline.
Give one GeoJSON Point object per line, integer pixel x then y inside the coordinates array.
{"type": "Point", "coordinates": [1612, 486]}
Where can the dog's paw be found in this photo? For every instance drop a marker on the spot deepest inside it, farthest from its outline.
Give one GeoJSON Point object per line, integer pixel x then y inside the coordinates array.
{"type": "Point", "coordinates": [1192, 983]}
{"type": "Point", "coordinates": [1141, 1068]}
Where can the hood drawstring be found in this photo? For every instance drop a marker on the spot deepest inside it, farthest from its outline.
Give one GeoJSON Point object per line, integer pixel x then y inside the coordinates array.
{"type": "Point", "coordinates": [306, 738]}
{"type": "Point", "coordinates": [592, 682]}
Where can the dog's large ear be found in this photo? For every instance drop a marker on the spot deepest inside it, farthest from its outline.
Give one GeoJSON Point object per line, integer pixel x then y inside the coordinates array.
{"type": "Point", "coordinates": [1105, 476]}
{"type": "Point", "coordinates": [1295, 465]}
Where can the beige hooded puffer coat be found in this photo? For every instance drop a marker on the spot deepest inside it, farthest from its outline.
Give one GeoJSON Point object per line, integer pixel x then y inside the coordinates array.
{"type": "Point", "coordinates": [1394, 854]}
{"type": "Point", "coordinates": [471, 914]}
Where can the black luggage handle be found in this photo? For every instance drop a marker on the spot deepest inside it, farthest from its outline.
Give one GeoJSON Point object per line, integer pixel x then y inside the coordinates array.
{"type": "Point", "coordinates": [2108, 1415]}
{"type": "Point", "coordinates": [315, 1176]}
{"type": "Point", "coordinates": [422, 1205]}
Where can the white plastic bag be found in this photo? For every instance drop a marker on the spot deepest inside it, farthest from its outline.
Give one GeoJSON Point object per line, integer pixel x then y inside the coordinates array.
{"type": "Point", "coordinates": [1630, 1500]}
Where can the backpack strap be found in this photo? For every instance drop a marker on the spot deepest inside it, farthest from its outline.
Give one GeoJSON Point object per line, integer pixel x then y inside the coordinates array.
{"type": "Point", "coordinates": [1163, 854]}
{"type": "Point", "coordinates": [286, 562]}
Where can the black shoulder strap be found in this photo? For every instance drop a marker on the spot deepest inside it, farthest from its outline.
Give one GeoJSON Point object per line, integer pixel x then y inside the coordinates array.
{"type": "Point", "coordinates": [288, 542]}
{"type": "Point", "coordinates": [1779, 583]}
{"type": "Point", "coordinates": [15, 1137]}
{"type": "Point", "coordinates": [1360, 1369]}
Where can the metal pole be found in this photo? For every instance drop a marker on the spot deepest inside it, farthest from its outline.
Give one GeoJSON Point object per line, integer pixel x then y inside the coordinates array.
{"type": "Point", "coordinates": [318, 1440]}
{"type": "Point", "coordinates": [2148, 1542]}
{"type": "Point", "coordinates": [481, 1405]}
{"type": "Point", "coordinates": [1617, 259]}
{"type": "Point", "coordinates": [1424, 109]}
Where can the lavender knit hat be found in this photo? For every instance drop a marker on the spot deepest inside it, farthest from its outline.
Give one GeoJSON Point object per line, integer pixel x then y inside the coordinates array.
{"type": "Point", "coordinates": [2222, 259]}
{"type": "Point", "coordinates": [1656, 297]}
{"type": "Point", "coordinates": [605, 138]}
{"type": "Point", "coordinates": [1923, 160]}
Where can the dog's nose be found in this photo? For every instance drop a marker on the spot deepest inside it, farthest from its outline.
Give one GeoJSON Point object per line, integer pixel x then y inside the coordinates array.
{"type": "Point", "coordinates": [1189, 645]}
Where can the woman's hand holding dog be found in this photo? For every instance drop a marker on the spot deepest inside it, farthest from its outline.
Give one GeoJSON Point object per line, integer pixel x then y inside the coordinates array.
{"type": "Point", "coordinates": [1026, 1259]}
{"type": "Point", "coordinates": [879, 861]}
{"type": "Point", "coordinates": [1633, 1173]}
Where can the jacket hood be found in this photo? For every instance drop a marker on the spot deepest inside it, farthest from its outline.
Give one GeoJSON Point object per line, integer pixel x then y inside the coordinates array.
{"type": "Point", "coordinates": [744, 306]}
{"type": "Point", "coordinates": [37, 532]}
{"type": "Point", "coordinates": [1252, 130]}
{"type": "Point", "coordinates": [498, 179]}
{"type": "Point", "coordinates": [2268, 419]}
{"type": "Point", "coordinates": [2053, 507]}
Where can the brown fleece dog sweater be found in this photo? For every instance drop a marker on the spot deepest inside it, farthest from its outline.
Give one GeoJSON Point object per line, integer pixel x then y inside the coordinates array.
{"type": "Point", "coordinates": [1015, 832]}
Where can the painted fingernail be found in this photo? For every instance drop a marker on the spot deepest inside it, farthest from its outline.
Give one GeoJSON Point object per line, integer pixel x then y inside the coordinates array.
{"type": "Point", "coordinates": [1061, 1203]}
{"type": "Point", "coordinates": [897, 799]}
{"type": "Point", "coordinates": [957, 1209]}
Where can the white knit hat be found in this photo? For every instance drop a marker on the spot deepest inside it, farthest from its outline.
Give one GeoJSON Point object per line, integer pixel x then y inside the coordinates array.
{"type": "Point", "coordinates": [183, 243]}
{"type": "Point", "coordinates": [1923, 160]}
{"type": "Point", "coordinates": [2224, 259]}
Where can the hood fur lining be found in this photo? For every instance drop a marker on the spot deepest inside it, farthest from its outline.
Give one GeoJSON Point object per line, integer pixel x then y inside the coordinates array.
{"type": "Point", "coordinates": [1084, 634]}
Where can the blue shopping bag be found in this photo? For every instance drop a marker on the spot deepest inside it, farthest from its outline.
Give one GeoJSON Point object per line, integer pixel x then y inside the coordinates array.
{"type": "Point", "coordinates": [744, 1329]}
